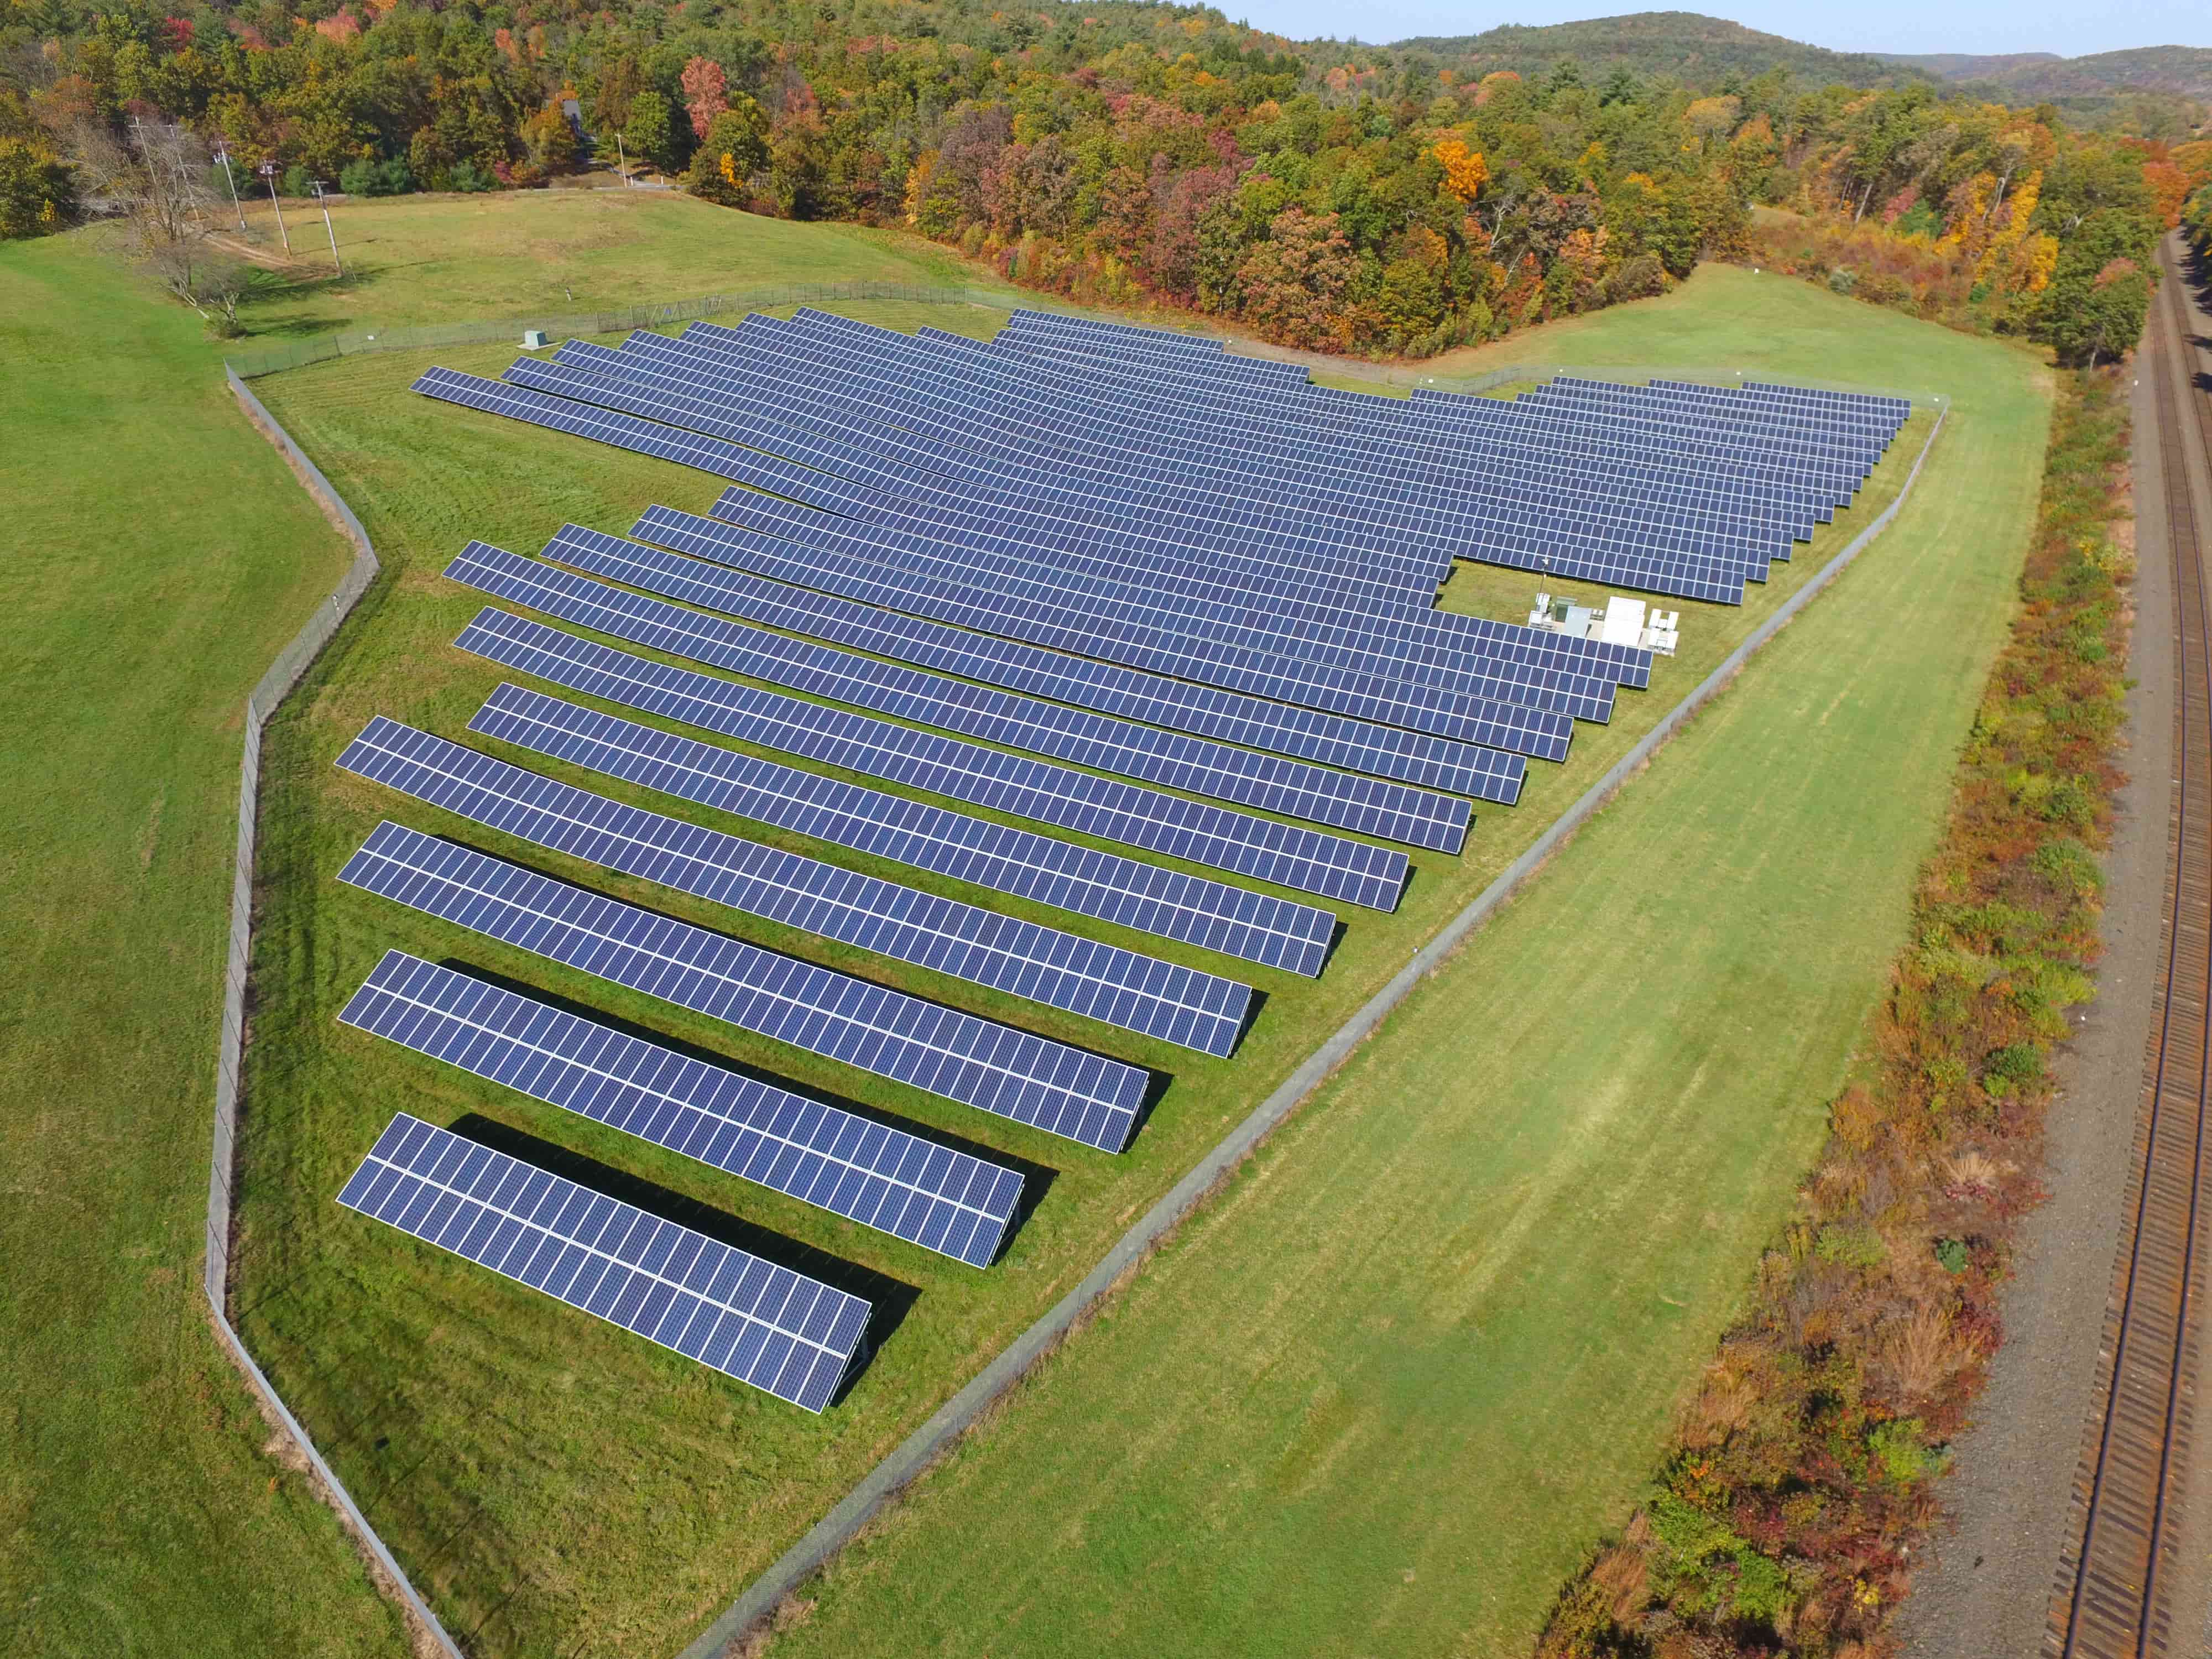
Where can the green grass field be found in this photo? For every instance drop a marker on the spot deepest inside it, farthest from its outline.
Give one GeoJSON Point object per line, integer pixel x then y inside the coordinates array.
{"type": "Point", "coordinates": [552, 1484]}
{"type": "Point", "coordinates": [159, 554]}
{"type": "Point", "coordinates": [422, 259]}
{"type": "Point", "coordinates": [536, 1477]}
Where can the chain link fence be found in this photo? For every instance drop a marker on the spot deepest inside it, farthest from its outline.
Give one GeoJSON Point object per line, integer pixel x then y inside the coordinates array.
{"type": "Point", "coordinates": [274, 686]}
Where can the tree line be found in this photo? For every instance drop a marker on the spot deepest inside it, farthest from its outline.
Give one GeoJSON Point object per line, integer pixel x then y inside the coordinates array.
{"type": "Point", "coordinates": [1328, 194]}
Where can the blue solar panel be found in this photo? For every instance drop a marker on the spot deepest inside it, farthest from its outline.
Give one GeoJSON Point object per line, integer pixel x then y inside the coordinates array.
{"type": "Point", "coordinates": [786, 1334]}
{"type": "Point", "coordinates": [1306, 734]}
{"type": "Point", "coordinates": [1283, 854]}
{"type": "Point", "coordinates": [1269, 783]}
{"type": "Point", "coordinates": [868, 1172]}
{"type": "Point", "coordinates": [1138, 993]}
{"type": "Point", "coordinates": [1276, 932]}
{"type": "Point", "coordinates": [994, 1068]}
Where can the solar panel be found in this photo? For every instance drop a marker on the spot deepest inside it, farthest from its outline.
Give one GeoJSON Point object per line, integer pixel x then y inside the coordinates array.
{"type": "Point", "coordinates": [1023, 958]}
{"type": "Point", "coordinates": [1267, 783]}
{"type": "Point", "coordinates": [1283, 854]}
{"type": "Point", "coordinates": [1255, 927]}
{"type": "Point", "coordinates": [994, 1068]}
{"type": "Point", "coordinates": [1211, 653]}
{"type": "Point", "coordinates": [868, 1172]}
{"type": "Point", "coordinates": [783, 1333]}
{"type": "Point", "coordinates": [1306, 734]}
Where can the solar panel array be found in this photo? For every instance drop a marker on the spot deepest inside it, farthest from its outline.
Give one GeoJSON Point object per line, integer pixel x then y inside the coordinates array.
{"type": "Point", "coordinates": [1235, 920]}
{"type": "Point", "coordinates": [868, 1172]}
{"type": "Point", "coordinates": [977, 1062]}
{"type": "Point", "coordinates": [1116, 583]}
{"type": "Point", "coordinates": [1259, 847]}
{"type": "Point", "coordinates": [1023, 958]}
{"type": "Point", "coordinates": [792, 1336]}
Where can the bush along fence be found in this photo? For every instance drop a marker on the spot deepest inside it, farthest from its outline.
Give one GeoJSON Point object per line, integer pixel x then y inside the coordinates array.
{"type": "Point", "coordinates": [275, 685]}
{"type": "Point", "coordinates": [1802, 1474]}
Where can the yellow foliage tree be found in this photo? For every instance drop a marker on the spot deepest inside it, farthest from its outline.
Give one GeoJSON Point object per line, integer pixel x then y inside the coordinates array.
{"type": "Point", "coordinates": [1465, 171]}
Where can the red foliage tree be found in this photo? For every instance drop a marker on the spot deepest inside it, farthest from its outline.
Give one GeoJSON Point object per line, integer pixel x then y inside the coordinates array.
{"type": "Point", "coordinates": [706, 93]}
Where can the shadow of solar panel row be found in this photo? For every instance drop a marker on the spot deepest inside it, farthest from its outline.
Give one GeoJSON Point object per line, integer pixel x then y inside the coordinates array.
{"type": "Point", "coordinates": [1275, 933]}
{"type": "Point", "coordinates": [1092, 509]}
{"type": "Point", "coordinates": [994, 1068]}
{"type": "Point", "coordinates": [1230, 717]}
{"type": "Point", "coordinates": [786, 1334]}
{"type": "Point", "coordinates": [1543, 733]}
{"type": "Point", "coordinates": [947, 1201]}
{"type": "Point", "coordinates": [1283, 854]}
{"type": "Point", "coordinates": [1041, 965]}
{"type": "Point", "coordinates": [1269, 783]}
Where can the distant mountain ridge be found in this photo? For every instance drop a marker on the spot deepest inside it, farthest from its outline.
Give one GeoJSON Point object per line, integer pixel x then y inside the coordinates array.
{"type": "Point", "coordinates": [1700, 51]}
{"type": "Point", "coordinates": [2184, 71]}
{"type": "Point", "coordinates": [1684, 46]}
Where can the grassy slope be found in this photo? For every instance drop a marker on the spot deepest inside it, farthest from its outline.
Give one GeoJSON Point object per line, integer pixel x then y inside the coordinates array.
{"type": "Point", "coordinates": [158, 555]}
{"type": "Point", "coordinates": [1382, 1396]}
{"type": "Point", "coordinates": [553, 1482]}
{"type": "Point", "coordinates": [418, 259]}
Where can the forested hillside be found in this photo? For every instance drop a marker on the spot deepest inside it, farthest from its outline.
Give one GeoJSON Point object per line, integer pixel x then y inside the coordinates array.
{"type": "Point", "coordinates": [1329, 195]}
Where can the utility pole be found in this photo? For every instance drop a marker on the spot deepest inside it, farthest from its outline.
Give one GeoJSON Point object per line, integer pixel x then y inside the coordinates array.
{"type": "Point", "coordinates": [269, 170]}
{"type": "Point", "coordinates": [323, 202]}
{"type": "Point", "coordinates": [222, 155]}
{"type": "Point", "coordinates": [622, 161]}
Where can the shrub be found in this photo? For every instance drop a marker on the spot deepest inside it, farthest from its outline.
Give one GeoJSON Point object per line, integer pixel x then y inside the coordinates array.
{"type": "Point", "coordinates": [1901, 1453]}
{"type": "Point", "coordinates": [2070, 866]}
{"type": "Point", "coordinates": [1842, 280]}
{"type": "Point", "coordinates": [469, 178]}
{"type": "Point", "coordinates": [2010, 1067]}
{"type": "Point", "coordinates": [297, 182]}
{"type": "Point", "coordinates": [1851, 1246]}
{"type": "Point", "coordinates": [1951, 1256]}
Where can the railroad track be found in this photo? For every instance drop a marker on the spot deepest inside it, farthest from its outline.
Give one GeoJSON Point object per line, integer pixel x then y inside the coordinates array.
{"type": "Point", "coordinates": [2117, 1580]}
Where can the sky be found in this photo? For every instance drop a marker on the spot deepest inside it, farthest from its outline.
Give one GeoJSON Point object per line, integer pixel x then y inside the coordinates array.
{"type": "Point", "coordinates": [2072, 29]}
